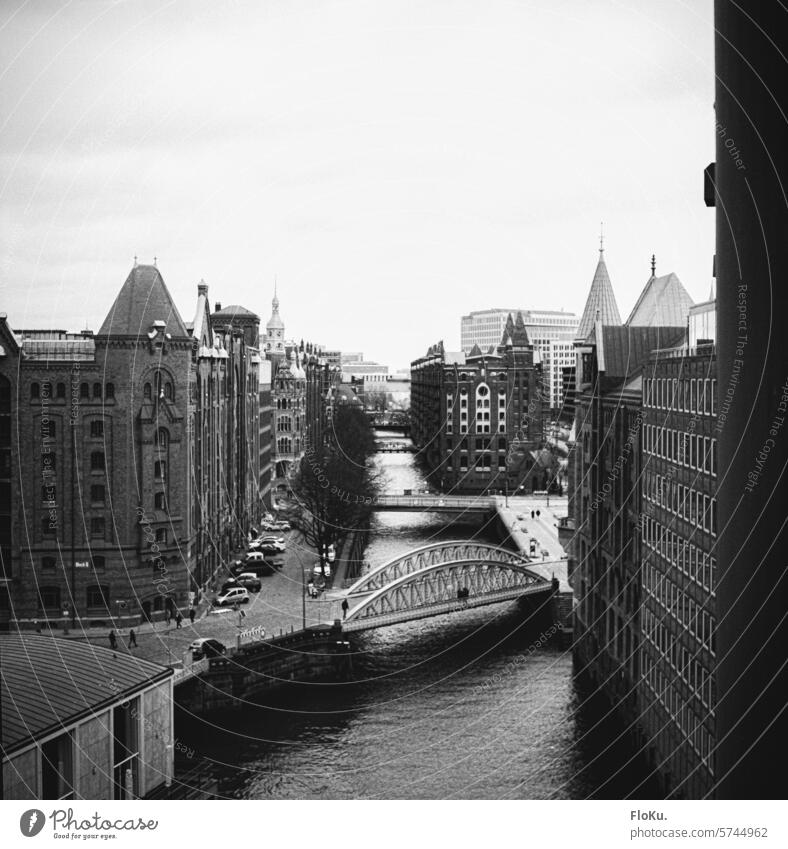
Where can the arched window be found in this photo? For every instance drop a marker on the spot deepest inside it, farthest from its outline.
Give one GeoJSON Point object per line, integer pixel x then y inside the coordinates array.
{"type": "Point", "coordinates": [97, 390]}
{"type": "Point", "coordinates": [168, 391]}
{"type": "Point", "coordinates": [97, 461]}
{"type": "Point", "coordinates": [35, 390]}
{"type": "Point", "coordinates": [162, 437]}
{"type": "Point", "coordinates": [482, 408]}
{"type": "Point", "coordinates": [84, 390]}
{"type": "Point", "coordinates": [61, 390]}
{"type": "Point", "coordinates": [109, 392]}
{"type": "Point", "coordinates": [146, 391]}
{"type": "Point", "coordinates": [160, 469]}
{"type": "Point", "coordinates": [48, 429]}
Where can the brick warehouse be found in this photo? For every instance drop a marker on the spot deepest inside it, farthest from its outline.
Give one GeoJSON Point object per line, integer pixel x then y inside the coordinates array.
{"type": "Point", "coordinates": [478, 418]}
{"type": "Point", "coordinates": [119, 475]}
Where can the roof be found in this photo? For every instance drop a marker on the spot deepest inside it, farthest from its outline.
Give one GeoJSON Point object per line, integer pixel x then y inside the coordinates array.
{"type": "Point", "coordinates": [68, 350]}
{"type": "Point", "coordinates": [664, 301]}
{"type": "Point", "coordinates": [622, 351]}
{"type": "Point", "coordinates": [49, 682]}
{"type": "Point", "coordinates": [236, 310]}
{"type": "Point", "coordinates": [143, 299]}
{"type": "Point", "coordinates": [601, 303]}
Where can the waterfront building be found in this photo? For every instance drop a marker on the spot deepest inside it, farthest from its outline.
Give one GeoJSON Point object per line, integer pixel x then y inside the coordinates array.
{"type": "Point", "coordinates": [477, 419]}
{"type": "Point", "coordinates": [550, 333]}
{"type": "Point", "coordinates": [129, 486]}
{"type": "Point", "coordinates": [83, 722]}
{"type": "Point", "coordinates": [679, 560]}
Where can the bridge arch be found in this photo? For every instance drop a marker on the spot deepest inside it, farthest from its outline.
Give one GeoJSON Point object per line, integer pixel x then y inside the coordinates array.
{"type": "Point", "coordinates": [429, 555]}
{"type": "Point", "coordinates": [435, 589]}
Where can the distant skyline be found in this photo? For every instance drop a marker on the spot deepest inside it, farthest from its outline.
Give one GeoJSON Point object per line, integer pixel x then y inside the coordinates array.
{"type": "Point", "coordinates": [393, 165]}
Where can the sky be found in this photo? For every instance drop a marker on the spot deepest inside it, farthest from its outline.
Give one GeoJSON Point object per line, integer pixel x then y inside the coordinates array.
{"type": "Point", "coordinates": [392, 165]}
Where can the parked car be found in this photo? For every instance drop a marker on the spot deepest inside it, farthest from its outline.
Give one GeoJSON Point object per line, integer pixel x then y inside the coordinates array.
{"type": "Point", "coordinates": [229, 584]}
{"type": "Point", "coordinates": [206, 647]}
{"type": "Point", "coordinates": [249, 580]}
{"type": "Point", "coordinates": [236, 595]}
{"type": "Point", "coordinates": [281, 525]}
{"type": "Point", "coordinates": [270, 544]}
{"type": "Point", "coordinates": [325, 571]}
{"type": "Point", "coordinates": [256, 563]}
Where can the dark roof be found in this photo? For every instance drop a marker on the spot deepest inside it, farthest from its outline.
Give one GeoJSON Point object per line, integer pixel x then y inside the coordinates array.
{"type": "Point", "coordinates": [235, 310]}
{"type": "Point", "coordinates": [143, 299]}
{"type": "Point", "coordinates": [622, 351]}
{"type": "Point", "coordinates": [49, 682]}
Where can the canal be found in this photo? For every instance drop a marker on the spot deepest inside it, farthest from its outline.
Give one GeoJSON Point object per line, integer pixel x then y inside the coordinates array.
{"type": "Point", "coordinates": [476, 705]}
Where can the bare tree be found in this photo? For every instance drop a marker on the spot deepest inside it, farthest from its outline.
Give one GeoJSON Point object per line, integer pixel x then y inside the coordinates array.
{"type": "Point", "coordinates": [334, 489]}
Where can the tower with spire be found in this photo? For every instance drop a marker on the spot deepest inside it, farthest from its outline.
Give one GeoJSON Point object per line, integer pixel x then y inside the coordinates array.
{"type": "Point", "coordinates": [601, 302]}
{"type": "Point", "coordinates": [275, 331]}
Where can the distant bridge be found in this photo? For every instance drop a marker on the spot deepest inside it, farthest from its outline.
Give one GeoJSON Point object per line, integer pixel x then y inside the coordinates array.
{"type": "Point", "coordinates": [462, 504]}
{"type": "Point", "coordinates": [440, 578]}
{"type": "Point", "coordinates": [395, 448]}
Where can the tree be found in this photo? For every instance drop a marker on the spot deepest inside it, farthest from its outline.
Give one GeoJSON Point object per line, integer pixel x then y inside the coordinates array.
{"type": "Point", "coordinates": [334, 489]}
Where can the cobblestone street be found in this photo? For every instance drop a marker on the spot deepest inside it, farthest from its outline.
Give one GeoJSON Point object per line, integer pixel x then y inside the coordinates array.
{"type": "Point", "coordinates": [278, 607]}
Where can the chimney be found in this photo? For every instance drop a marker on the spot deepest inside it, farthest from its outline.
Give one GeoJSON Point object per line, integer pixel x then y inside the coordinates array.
{"type": "Point", "coordinates": [217, 307]}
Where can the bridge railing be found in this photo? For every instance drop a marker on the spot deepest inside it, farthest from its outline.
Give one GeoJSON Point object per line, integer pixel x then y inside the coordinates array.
{"type": "Point", "coordinates": [457, 501]}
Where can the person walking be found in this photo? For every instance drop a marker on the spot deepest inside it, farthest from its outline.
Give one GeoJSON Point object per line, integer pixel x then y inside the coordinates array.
{"type": "Point", "coordinates": [345, 607]}
{"type": "Point", "coordinates": [192, 614]}
{"type": "Point", "coordinates": [178, 619]}
{"type": "Point", "coordinates": [167, 616]}
{"type": "Point", "coordinates": [132, 639]}
{"type": "Point", "coordinates": [113, 640]}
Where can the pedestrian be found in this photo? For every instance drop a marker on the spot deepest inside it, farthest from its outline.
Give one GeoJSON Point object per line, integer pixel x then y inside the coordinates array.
{"type": "Point", "coordinates": [532, 514]}
{"type": "Point", "coordinates": [38, 627]}
{"type": "Point", "coordinates": [345, 607]}
{"type": "Point", "coordinates": [113, 640]}
{"type": "Point", "coordinates": [132, 639]}
{"type": "Point", "coordinates": [192, 614]}
{"type": "Point", "coordinates": [178, 619]}
{"type": "Point", "coordinates": [538, 514]}
{"type": "Point", "coordinates": [167, 616]}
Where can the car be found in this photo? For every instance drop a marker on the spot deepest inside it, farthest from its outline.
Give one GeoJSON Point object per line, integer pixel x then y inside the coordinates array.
{"type": "Point", "coordinates": [229, 584]}
{"type": "Point", "coordinates": [235, 595]}
{"type": "Point", "coordinates": [249, 580]}
{"type": "Point", "coordinates": [520, 516]}
{"type": "Point", "coordinates": [281, 525]}
{"type": "Point", "coordinates": [270, 538]}
{"type": "Point", "coordinates": [257, 564]}
{"type": "Point", "coordinates": [325, 571]}
{"type": "Point", "coordinates": [272, 545]}
{"type": "Point", "coordinates": [206, 647]}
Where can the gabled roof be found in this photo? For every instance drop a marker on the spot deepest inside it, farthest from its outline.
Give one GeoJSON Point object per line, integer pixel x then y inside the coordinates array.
{"type": "Point", "coordinates": [622, 351]}
{"type": "Point", "coordinates": [508, 331]}
{"type": "Point", "coordinates": [601, 303]}
{"type": "Point", "coordinates": [664, 301]}
{"type": "Point", "coordinates": [476, 351]}
{"type": "Point", "coordinates": [48, 682]}
{"type": "Point", "coordinates": [143, 299]}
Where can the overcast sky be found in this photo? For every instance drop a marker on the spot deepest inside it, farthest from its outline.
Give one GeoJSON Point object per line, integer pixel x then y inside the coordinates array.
{"type": "Point", "coordinates": [393, 164]}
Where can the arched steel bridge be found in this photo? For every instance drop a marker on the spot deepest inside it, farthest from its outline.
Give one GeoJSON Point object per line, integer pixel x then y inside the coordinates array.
{"type": "Point", "coordinates": [440, 578]}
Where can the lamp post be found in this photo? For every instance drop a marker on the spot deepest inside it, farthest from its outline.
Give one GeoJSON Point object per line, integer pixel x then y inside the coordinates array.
{"type": "Point", "coordinates": [303, 599]}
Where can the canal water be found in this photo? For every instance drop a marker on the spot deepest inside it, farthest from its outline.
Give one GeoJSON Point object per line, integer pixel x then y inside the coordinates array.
{"type": "Point", "coordinates": [475, 705]}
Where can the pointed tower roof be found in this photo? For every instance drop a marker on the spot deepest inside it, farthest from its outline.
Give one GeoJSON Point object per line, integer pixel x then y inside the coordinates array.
{"type": "Point", "coordinates": [664, 302]}
{"type": "Point", "coordinates": [601, 303]}
{"type": "Point", "coordinates": [142, 300]}
{"type": "Point", "coordinates": [519, 334]}
{"type": "Point", "coordinates": [508, 331]}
